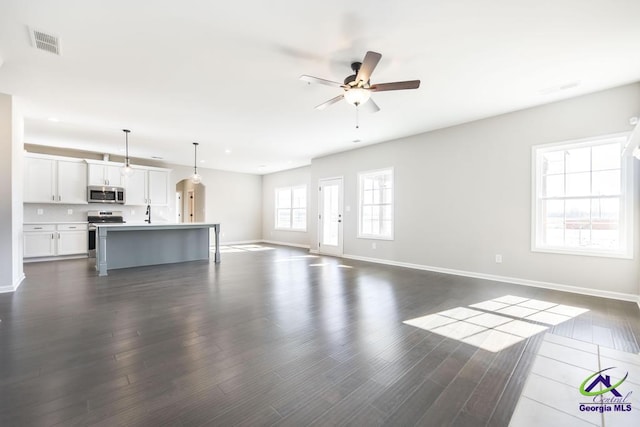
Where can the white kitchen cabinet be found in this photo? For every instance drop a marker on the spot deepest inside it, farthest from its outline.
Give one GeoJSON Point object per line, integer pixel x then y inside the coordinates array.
{"type": "Point", "coordinates": [72, 239]}
{"type": "Point", "coordinates": [39, 241]}
{"type": "Point", "coordinates": [72, 182]}
{"type": "Point", "coordinates": [158, 187]}
{"type": "Point", "coordinates": [39, 180]}
{"type": "Point", "coordinates": [136, 188]}
{"type": "Point", "coordinates": [51, 179]}
{"type": "Point", "coordinates": [48, 240]}
{"type": "Point", "coordinates": [148, 186]}
{"type": "Point", "coordinates": [103, 173]}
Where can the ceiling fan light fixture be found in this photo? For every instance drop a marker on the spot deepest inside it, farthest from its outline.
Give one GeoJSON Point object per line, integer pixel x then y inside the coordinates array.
{"type": "Point", "coordinates": [357, 96]}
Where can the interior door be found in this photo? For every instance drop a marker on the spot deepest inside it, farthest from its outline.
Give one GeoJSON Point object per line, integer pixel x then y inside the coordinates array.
{"type": "Point", "coordinates": [330, 225]}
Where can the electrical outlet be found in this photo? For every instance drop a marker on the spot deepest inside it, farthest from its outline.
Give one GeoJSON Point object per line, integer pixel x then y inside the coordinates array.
{"type": "Point", "coordinates": [498, 259]}
{"type": "Point", "coordinates": [373, 245]}
{"type": "Point", "coordinates": [40, 211]}
{"type": "Point", "coordinates": [69, 211]}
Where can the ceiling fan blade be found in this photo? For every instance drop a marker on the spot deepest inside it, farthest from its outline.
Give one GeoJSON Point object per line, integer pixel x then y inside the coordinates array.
{"type": "Point", "coordinates": [370, 106]}
{"type": "Point", "coordinates": [410, 84]}
{"type": "Point", "coordinates": [311, 79]}
{"type": "Point", "coordinates": [369, 63]}
{"type": "Point", "coordinates": [330, 102]}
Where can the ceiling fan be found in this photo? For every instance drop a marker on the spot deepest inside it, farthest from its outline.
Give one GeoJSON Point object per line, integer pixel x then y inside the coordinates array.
{"type": "Point", "coordinates": [357, 87]}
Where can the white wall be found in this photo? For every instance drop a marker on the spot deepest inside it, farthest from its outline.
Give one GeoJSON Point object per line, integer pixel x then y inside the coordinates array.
{"type": "Point", "coordinates": [293, 177]}
{"type": "Point", "coordinates": [11, 146]}
{"type": "Point", "coordinates": [463, 194]}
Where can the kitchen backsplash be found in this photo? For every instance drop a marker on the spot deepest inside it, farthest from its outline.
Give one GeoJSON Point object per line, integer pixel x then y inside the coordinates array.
{"type": "Point", "coordinates": [35, 212]}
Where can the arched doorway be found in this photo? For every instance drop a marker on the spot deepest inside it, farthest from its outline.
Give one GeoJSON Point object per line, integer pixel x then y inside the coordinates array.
{"type": "Point", "coordinates": [190, 201]}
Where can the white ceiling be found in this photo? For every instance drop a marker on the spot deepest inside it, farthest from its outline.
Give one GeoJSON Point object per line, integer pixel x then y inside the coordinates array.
{"type": "Point", "coordinates": [225, 74]}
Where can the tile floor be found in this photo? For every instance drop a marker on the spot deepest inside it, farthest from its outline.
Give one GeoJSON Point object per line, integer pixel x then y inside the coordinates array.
{"type": "Point", "coordinates": [551, 392]}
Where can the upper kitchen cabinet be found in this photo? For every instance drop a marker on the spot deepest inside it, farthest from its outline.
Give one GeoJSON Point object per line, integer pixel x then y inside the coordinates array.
{"type": "Point", "coordinates": [105, 173]}
{"type": "Point", "coordinates": [148, 186]}
{"type": "Point", "coordinates": [52, 179]}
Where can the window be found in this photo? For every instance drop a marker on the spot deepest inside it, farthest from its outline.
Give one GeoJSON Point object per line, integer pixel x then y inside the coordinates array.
{"type": "Point", "coordinates": [583, 198]}
{"type": "Point", "coordinates": [291, 208]}
{"type": "Point", "coordinates": [375, 219]}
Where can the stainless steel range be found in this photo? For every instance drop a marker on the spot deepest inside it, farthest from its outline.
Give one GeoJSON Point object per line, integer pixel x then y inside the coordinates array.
{"type": "Point", "coordinates": [100, 217]}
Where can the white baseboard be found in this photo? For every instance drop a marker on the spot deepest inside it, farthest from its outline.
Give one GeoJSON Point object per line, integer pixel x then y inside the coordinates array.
{"type": "Point", "coordinates": [239, 242]}
{"type": "Point", "coordinates": [513, 280]}
{"type": "Point", "coordinates": [14, 287]}
{"type": "Point", "coordinates": [295, 245]}
{"type": "Point", "coordinates": [53, 258]}
{"type": "Point", "coordinates": [315, 251]}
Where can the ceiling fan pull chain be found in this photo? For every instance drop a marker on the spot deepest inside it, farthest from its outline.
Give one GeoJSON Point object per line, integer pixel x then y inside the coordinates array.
{"type": "Point", "coordinates": [357, 116]}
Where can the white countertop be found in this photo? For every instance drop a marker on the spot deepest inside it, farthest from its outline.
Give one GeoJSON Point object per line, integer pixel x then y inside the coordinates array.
{"type": "Point", "coordinates": [156, 226]}
{"type": "Point", "coordinates": [54, 222]}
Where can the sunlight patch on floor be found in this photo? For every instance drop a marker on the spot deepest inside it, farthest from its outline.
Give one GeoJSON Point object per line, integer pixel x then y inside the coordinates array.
{"type": "Point", "coordinates": [498, 323]}
{"type": "Point", "coordinates": [242, 248]}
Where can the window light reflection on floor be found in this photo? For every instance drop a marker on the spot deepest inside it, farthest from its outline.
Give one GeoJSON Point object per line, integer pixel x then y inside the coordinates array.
{"type": "Point", "coordinates": [495, 324]}
{"type": "Point", "coordinates": [242, 248]}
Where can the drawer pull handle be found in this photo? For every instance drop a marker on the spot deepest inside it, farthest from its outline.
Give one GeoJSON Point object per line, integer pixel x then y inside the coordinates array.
{"type": "Point", "coordinates": [37, 228]}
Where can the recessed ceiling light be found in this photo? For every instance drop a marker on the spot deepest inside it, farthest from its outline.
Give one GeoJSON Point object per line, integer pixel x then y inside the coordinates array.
{"type": "Point", "coordinates": [156, 157]}
{"type": "Point", "coordinates": [227, 151]}
{"type": "Point", "coordinates": [53, 119]}
{"type": "Point", "coordinates": [355, 141]}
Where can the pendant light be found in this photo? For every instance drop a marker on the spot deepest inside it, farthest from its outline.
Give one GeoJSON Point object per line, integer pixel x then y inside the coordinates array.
{"type": "Point", "coordinates": [195, 178]}
{"type": "Point", "coordinates": [126, 170]}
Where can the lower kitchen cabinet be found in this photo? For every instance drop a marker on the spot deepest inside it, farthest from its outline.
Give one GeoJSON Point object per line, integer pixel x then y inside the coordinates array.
{"type": "Point", "coordinates": [39, 240]}
{"type": "Point", "coordinates": [49, 240]}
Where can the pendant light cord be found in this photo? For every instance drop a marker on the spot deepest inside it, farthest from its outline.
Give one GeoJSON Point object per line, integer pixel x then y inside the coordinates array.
{"type": "Point", "coordinates": [195, 158]}
{"type": "Point", "coordinates": [126, 139]}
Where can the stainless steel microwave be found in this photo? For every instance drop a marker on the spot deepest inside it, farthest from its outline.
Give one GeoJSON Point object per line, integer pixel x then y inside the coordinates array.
{"type": "Point", "coordinates": [105, 194]}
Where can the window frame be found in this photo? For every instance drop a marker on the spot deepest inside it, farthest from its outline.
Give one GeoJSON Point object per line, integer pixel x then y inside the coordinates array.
{"type": "Point", "coordinates": [361, 176]}
{"type": "Point", "coordinates": [626, 195]}
{"type": "Point", "coordinates": [292, 189]}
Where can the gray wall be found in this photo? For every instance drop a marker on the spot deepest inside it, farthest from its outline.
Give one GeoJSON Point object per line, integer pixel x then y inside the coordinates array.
{"type": "Point", "coordinates": [293, 177]}
{"type": "Point", "coordinates": [11, 133]}
{"type": "Point", "coordinates": [463, 194]}
{"type": "Point", "coordinates": [232, 199]}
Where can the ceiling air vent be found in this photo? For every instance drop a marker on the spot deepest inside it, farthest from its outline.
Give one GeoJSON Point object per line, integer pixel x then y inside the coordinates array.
{"type": "Point", "coordinates": [44, 41]}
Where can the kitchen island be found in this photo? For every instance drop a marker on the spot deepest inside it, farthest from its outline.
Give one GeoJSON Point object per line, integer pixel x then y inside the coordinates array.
{"type": "Point", "coordinates": [135, 245]}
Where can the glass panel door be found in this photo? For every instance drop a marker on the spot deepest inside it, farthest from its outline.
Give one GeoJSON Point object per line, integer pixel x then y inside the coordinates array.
{"type": "Point", "coordinates": [330, 220]}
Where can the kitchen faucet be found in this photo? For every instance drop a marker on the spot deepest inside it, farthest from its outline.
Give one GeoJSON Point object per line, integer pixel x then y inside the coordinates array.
{"type": "Point", "coordinates": [148, 214]}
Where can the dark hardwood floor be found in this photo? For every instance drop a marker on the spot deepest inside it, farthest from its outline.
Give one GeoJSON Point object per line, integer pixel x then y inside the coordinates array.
{"type": "Point", "coordinates": [272, 337]}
